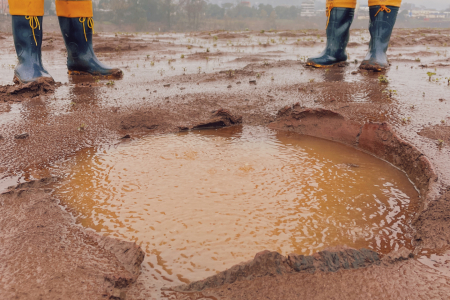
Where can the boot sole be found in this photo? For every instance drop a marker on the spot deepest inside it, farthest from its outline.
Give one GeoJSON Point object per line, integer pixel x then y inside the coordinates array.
{"type": "Point", "coordinates": [116, 74]}
{"type": "Point", "coordinates": [370, 67]}
{"type": "Point", "coordinates": [314, 65]}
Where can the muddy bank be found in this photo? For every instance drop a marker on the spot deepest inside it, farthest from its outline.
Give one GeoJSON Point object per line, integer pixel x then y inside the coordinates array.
{"type": "Point", "coordinates": [42, 242]}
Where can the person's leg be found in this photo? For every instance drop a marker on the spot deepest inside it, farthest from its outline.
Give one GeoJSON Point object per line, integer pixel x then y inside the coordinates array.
{"type": "Point", "coordinates": [77, 27]}
{"type": "Point", "coordinates": [27, 33]}
{"type": "Point", "coordinates": [383, 14]}
{"type": "Point", "coordinates": [340, 17]}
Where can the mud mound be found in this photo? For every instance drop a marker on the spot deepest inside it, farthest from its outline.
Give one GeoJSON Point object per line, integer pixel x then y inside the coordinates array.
{"type": "Point", "coordinates": [436, 40]}
{"type": "Point", "coordinates": [289, 34]}
{"type": "Point", "coordinates": [269, 263]}
{"type": "Point", "coordinates": [232, 36]}
{"type": "Point", "coordinates": [399, 41]}
{"type": "Point", "coordinates": [219, 119]}
{"type": "Point", "coordinates": [421, 54]}
{"type": "Point", "coordinates": [438, 132]}
{"type": "Point", "coordinates": [204, 55]}
{"type": "Point", "coordinates": [118, 47]}
{"type": "Point", "coordinates": [353, 44]}
{"type": "Point", "coordinates": [20, 91]}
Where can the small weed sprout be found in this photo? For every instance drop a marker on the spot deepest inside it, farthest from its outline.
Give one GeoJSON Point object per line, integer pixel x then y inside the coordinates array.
{"type": "Point", "coordinates": [152, 63]}
{"type": "Point", "coordinates": [440, 143]}
{"type": "Point", "coordinates": [382, 79]}
{"type": "Point", "coordinates": [430, 74]}
{"type": "Point", "coordinates": [182, 56]}
{"type": "Point", "coordinates": [82, 127]}
{"type": "Point", "coordinates": [311, 80]}
{"type": "Point", "coordinates": [110, 83]}
{"type": "Point", "coordinates": [258, 75]}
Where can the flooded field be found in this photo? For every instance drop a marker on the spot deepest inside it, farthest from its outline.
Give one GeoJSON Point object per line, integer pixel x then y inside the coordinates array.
{"type": "Point", "coordinates": [201, 202]}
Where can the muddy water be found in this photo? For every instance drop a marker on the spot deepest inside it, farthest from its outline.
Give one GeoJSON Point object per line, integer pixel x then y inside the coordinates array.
{"type": "Point", "coordinates": [200, 202]}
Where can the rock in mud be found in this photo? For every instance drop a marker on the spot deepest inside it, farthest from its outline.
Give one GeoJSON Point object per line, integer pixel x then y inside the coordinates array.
{"type": "Point", "coordinates": [269, 263]}
{"type": "Point", "coordinates": [19, 91]}
{"type": "Point", "coordinates": [219, 119]}
{"type": "Point", "coordinates": [21, 136]}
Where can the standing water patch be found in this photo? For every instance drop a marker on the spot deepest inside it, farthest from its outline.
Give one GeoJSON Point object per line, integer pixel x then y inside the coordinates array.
{"type": "Point", "coordinates": [201, 202]}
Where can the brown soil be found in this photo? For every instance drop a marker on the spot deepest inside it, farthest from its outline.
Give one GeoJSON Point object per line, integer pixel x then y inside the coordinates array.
{"type": "Point", "coordinates": [46, 255]}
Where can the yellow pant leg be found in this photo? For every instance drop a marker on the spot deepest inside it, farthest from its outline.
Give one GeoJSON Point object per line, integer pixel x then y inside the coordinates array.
{"type": "Point", "coordinates": [74, 8]}
{"type": "Point", "coordinates": [26, 7]}
{"type": "Point", "coordinates": [341, 3]}
{"type": "Point", "coordinates": [396, 3]}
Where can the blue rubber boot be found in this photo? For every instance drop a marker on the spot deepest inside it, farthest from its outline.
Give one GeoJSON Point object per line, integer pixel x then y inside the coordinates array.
{"type": "Point", "coordinates": [27, 33]}
{"type": "Point", "coordinates": [338, 34]}
{"type": "Point", "coordinates": [382, 21]}
{"type": "Point", "coordinates": [81, 59]}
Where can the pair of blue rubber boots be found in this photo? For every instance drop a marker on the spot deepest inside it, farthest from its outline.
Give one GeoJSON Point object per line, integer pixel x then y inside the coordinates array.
{"type": "Point", "coordinates": [77, 34]}
{"type": "Point", "coordinates": [382, 21]}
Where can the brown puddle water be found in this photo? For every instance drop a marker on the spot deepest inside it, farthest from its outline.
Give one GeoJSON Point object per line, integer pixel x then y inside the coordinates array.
{"type": "Point", "coordinates": [201, 202]}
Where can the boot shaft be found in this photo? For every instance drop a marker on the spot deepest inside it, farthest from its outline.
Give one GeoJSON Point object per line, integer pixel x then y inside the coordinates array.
{"type": "Point", "coordinates": [338, 30]}
{"type": "Point", "coordinates": [77, 34]}
{"type": "Point", "coordinates": [27, 34]}
{"type": "Point", "coordinates": [382, 21]}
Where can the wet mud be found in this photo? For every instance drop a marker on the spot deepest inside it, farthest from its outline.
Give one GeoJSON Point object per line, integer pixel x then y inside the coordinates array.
{"type": "Point", "coordinates": [400, 118]}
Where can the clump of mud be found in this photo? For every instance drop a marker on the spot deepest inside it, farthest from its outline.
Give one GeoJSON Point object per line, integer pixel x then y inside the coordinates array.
{"type": "Point", "coordinates": [219, 119]}
{"type": "Point", "coordinates": [20, 91]}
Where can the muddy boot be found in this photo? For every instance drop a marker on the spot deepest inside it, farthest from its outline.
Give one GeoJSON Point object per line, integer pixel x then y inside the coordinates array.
{"type": "Point", "coordinates": [338, 34]}
{"type": "Point", "coordinates": [27, 33]}
{"type": "Point", "coordinates": [81, 59]}
{"type": "Point", "coordinates": [382, 21]}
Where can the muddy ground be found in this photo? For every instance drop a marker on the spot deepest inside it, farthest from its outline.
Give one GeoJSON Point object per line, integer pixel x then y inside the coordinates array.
{"type": "Point", "coordinates": [176, 81]}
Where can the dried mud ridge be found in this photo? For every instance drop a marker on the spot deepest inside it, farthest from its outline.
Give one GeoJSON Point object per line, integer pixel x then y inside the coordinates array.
{"type": "Point", "coordinates": [20, 91]}
{"type": "Point", "coordinates": [267, 263]}
{"type": "Point", "coordinates": [42, 241]}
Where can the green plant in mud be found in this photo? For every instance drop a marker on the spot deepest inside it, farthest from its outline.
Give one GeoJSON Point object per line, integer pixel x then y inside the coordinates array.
{"type": "Point", "coordinates": [82, 127]}
{"type": "Point", "coordinates": [440, 143]}
{"type": "Point", "coordinates": [230, 73]}
{"type": "Point", "coordinates": [406, 120]}
{"type": "Point", "coordinates": [390, 92]}
{"type": "Point", "coordinates": [182, 56]}
{"type": "Point", "coordinates": [430, 74]}
{"type": "Point", "coordinates": [199, 70]}
{"type": "Point", "coordinates": [111, 83]}
{"type": "Point", "coordinates": [382, 79]}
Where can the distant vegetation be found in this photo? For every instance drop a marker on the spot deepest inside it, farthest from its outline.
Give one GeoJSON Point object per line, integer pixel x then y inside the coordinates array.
{"type": "Point", "coordinates": [182, 15]}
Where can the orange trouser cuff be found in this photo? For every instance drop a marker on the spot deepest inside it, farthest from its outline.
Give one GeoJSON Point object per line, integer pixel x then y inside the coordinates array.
{"type": "Point", "coordinates": [396, 3]}
{"type": "Point", "coordinates": [74, 9]}
{"type": "Point", "coordinates": [26, 7]}
{"type": "Point", "coordinates": [341, 3]}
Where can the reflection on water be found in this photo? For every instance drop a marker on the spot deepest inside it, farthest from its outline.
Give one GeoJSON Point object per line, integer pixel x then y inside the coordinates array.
{"type": "Point", "coordinates": [200, 202]}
